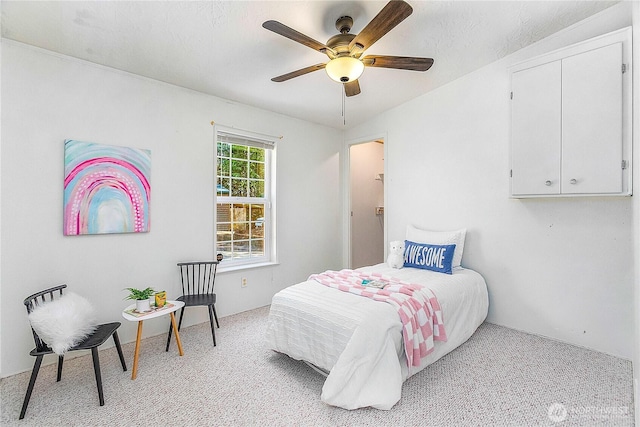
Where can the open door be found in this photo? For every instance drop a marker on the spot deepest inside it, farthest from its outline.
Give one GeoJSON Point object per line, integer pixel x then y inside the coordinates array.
{"type": "Point", "coordinates": [366, 173]}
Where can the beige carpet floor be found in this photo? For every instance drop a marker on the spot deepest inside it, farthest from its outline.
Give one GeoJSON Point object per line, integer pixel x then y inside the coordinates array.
{"type": "Point", "coordinates": [499, 377]}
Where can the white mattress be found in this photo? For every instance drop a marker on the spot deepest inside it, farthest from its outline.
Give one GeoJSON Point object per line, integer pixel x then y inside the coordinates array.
{"type": "Point", "coordinates": [359, 341]}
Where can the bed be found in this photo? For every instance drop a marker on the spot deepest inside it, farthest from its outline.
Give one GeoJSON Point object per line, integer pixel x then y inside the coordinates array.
{"type": "Point", "coordinates": [358, 341]}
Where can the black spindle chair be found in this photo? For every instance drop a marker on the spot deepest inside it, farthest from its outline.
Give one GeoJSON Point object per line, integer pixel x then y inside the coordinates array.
{"type": "Point", "coordinates": [198, 279]}
{"type": "Point", "coordinates": [92, 342]}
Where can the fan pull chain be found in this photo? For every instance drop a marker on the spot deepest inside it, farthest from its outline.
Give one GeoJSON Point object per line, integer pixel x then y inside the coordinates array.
{"type": "Point", "coordinates": [344, 119]}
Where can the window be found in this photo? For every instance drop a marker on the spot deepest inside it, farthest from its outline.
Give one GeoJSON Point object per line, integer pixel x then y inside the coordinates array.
{"type": "Point", "coordinates": [244, 227]}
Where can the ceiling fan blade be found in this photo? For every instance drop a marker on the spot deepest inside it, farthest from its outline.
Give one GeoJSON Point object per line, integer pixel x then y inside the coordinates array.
{"type": "Point", "coordinates": [391, 15]}
{"type": "Point", "coordinates": [398, 62]}
{"type": "Point", "coordinates": [352, 88]}
{"type": "Point", "coordinates": [298, 73]}
{"type": "Point", "coordinates": [294, 35]}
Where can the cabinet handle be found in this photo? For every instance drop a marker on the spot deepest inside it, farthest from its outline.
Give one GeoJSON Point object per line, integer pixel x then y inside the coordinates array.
{"type": "Point", "coordinates": [573, 181]}
{"type": "Point", "coordinates": [547, 183]}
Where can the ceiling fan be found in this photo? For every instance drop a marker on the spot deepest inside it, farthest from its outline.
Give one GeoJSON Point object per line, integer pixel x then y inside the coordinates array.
{"type": "Point", "coordinates": [345, 50]}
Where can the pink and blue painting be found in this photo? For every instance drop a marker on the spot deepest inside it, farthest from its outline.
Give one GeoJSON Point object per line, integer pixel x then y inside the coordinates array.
{"type": "Point", "coordinates": [106, 189]}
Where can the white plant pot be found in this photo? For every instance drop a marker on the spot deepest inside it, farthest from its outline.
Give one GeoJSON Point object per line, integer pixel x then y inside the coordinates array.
{"type": "Point", "coordinates": [142, 305]}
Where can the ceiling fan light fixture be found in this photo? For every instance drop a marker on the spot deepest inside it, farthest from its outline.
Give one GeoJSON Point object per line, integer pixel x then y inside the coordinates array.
{"type": "Point", "coordinates": [344, 69]}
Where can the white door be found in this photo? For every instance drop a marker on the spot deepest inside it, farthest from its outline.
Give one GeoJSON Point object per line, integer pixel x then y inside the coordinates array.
{"type": "Point", "coordinates": [536, 130]}
{"type": "Point", "coordinates": [592, 121]}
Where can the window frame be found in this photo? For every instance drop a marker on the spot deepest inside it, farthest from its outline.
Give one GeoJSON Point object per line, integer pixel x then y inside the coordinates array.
{"type": "Point", "coordinates": [246, 138]}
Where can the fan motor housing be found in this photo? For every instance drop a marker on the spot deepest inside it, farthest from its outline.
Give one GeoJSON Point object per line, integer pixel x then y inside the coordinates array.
{"type": "Point", "coordinates": [340, 43]}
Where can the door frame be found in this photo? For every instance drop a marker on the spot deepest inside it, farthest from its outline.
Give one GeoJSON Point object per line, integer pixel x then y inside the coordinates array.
{"type": "Point", "coordinates": [346, 191]}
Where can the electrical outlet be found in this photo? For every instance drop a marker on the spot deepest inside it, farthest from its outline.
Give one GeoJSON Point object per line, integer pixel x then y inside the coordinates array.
{"type": "Point", "coordinates": [243, 282]}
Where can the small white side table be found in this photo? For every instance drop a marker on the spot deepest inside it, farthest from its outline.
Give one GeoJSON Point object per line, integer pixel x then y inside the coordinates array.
{"type": "Point", "coordinates": [169, 308]}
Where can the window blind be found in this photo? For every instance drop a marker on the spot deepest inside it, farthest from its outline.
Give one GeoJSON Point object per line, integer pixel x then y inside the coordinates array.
{"type": "Point", "coordinates": [242, 140]}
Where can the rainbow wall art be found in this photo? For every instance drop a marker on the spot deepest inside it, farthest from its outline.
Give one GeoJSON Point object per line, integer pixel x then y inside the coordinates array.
{"type": "Point", "coordinates": [106, 189]}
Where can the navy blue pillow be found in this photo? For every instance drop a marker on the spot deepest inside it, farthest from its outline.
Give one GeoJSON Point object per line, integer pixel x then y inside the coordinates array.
{"type": "Point", "coordinates": [429, 257]}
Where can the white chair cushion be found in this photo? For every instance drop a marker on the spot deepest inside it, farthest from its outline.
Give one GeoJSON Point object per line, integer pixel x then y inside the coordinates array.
{"type": "Point", "coordinates": [64, 322]}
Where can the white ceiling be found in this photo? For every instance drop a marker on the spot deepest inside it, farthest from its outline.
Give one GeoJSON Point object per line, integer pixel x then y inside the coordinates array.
{"type": "Point", "coordinates": [220, 47]}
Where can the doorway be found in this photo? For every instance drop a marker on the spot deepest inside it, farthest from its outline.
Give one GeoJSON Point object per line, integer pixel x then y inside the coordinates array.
{"type": "Point", "coordinates": [366, 176]}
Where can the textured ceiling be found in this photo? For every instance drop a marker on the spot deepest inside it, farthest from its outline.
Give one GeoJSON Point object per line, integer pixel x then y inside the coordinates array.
{"type": "Point", "coordinates": [220, 47]}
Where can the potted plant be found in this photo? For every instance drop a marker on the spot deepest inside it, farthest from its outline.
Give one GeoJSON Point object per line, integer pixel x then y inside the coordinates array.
{"type": "Point", "coordinates": [141, 297]}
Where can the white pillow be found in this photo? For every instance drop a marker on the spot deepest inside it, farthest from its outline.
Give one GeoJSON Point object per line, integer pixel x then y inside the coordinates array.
{"type": "Point", "coordinates": [455, 237]}
{"type": "Point", "coordinates": [64, 322]}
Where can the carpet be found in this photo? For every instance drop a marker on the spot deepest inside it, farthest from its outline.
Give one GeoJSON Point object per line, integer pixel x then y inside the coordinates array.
{"type": "Point", "coordinates": [499, 377]}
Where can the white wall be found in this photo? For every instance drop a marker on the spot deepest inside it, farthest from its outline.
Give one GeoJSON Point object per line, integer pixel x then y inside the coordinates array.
{"type": "Point", "coordinates": [636, 209]}
{"type": "Point", "coordinates": [560, 268]}
{"type": "Point", "coordinates": [0, 188]}
{"type": "Point", "coordinates": [367, 229]}
{"type": "Point", "coordinates": [47, 98]}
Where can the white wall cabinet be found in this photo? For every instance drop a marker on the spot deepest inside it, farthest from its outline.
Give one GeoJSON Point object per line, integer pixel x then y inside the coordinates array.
{"type": "Point", "coordinates": [571, 120]}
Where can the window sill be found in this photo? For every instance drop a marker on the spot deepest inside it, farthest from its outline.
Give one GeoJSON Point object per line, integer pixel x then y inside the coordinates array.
{"type": "Point", "coordinates": [232, 268]}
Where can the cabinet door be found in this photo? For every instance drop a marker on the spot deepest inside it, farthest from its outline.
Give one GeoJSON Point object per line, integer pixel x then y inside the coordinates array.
{"type": "Point", "coordinates": [592, 121]}
{"type": "Point", "coordinates": [536, 130]}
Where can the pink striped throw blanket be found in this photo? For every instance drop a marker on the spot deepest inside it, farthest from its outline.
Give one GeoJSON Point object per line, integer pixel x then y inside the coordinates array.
{"type": "Point", "coordinates": [418, 307]}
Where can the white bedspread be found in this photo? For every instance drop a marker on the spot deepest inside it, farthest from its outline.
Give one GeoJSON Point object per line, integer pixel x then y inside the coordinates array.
{"type": "Point", "coordinates": [359, 341]}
